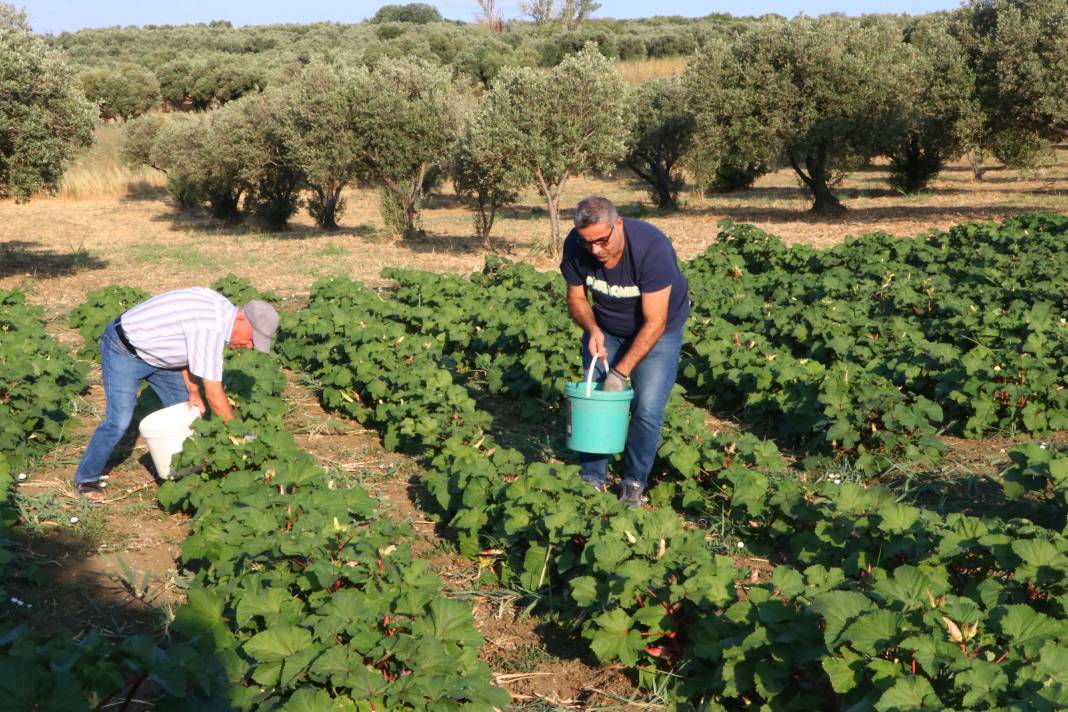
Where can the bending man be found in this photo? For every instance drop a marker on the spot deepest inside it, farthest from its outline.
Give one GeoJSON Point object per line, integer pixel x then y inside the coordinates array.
{"type": "Point", "coordinates": [640, 305]}
{"type": "Point", "coordinates": [174, 341]}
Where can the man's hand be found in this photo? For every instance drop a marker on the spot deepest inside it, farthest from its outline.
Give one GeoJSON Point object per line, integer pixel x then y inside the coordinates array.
{"type": "Point", "coordinates": [195, 401]}
{"type": "Point", "coordinates": [596, 344]}
{"type": "Point", "coordinates": [615, 381]}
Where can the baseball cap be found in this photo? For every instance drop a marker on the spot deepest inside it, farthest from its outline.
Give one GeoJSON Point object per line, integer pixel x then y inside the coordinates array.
{"type": "Point", "coordinates": [264, 321]}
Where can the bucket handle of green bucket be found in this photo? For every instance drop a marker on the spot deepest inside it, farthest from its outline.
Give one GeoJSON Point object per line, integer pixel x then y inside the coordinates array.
{"type": "Point", "coordinates": [589, 376]}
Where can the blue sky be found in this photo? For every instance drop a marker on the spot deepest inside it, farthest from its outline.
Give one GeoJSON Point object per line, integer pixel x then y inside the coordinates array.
{"type": "Point", "coordinates": [56, 16]}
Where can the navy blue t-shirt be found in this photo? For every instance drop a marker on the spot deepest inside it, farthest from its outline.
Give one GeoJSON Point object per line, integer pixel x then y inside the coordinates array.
{"type": "Point", "coordinates": [648, 264]}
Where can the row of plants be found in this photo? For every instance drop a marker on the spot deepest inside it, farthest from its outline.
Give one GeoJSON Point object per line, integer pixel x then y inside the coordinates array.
{"type": "Point", "coordinates": [305, 596]}
{"type": "Point", "coordinates": [60, 671]}
{"type": "Point", "coordinates": [635, 580]}
{"type": "Point", "coordinates": [38, 379]}
{"type": "Point", "coordinates": [269, 528]}
{"type": "Point", "coordinates": [869, 349]}
{"type": "Point", "coordinates": [877, 604]}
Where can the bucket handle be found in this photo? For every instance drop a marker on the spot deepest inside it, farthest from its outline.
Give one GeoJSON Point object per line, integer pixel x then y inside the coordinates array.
{"type": "Point", "coordinates": [589, 376]}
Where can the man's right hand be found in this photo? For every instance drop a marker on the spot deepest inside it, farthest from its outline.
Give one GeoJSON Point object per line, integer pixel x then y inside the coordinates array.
{"type": "Point", "coordinates": [596, 344]}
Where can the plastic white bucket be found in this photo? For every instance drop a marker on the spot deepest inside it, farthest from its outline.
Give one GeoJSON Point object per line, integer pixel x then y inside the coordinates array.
{"type": "Point", "coordinates": [164, 432]}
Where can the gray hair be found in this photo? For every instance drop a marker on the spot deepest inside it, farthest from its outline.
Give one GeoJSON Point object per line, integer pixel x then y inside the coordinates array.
{"type": "Point", "coordinates": [595, 210]}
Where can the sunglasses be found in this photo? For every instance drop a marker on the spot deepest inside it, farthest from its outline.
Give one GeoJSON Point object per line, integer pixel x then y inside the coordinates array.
{"type": "Point", "coordinates": [598, 242]}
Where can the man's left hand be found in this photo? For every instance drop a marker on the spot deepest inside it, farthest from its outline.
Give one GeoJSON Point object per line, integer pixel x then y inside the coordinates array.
{"type": "Point", "coordinates": [615, 381]}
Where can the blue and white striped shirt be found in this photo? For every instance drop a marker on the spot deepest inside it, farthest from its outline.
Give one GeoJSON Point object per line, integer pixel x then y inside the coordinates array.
{"type": "Point", "coordinates": [183, 328]}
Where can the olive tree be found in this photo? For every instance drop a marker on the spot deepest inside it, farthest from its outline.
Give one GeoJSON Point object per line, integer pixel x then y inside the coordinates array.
{"type": "Point", "coordinates": [122, 92]}
{"type": "Point", "coordinates": [415, 12]}
{"type": "Point", "coordinates": [323, 141]}
{"type": "Point", "coordinates": [801, 93]}
{"type": "Point", "coordinates": [661, 134]}
{"type": "Point", "coordinates": [559, 123]}
{"type": "Point", "coordinates": [483, 173]}
{"type": "Point", "coordinates": [935, 104]}
{"type": "Point", "coordinates": [405, 119]}
{"type": "Point", "coordinates": [44, 119]}
{"type": "Point", "coordinates": [179, 148]}
{"type": "Point", "coordinates": [1018, 50]}
{"type": "Point", "coordinates": [254, 133]}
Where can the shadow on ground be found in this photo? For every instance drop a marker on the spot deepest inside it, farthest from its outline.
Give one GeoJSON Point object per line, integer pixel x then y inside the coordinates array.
{"type": "Point", "coordinates": [25, 257]}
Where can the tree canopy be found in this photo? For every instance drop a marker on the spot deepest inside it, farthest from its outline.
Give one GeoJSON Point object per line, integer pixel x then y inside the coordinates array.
{"type": "Point", "coordinates": [43, 115]}
{"type": "Point", "coordinates": [802, 93]}
{"type": "Point", "coordinates": [560, 123]}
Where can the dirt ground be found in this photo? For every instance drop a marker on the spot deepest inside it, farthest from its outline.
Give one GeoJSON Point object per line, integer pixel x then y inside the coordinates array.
{"type": "Point", "coordinates": [57, 250]}
{"type": "Point", "coordinates": [113, 567]}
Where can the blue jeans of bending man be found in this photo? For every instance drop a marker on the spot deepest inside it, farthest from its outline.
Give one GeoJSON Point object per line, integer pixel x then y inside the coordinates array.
{"type": "Point", "coordinates": [123, 374]}
{"type": "Point", "coordinates": [652, 380]}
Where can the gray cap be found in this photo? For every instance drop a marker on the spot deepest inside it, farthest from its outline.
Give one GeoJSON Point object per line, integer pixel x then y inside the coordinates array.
{"type": "Point", "coordinates": [264, 321]}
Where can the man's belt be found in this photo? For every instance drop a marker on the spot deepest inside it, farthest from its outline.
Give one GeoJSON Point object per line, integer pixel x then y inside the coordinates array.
{"type": "Point", "coordinates": [122, 337]}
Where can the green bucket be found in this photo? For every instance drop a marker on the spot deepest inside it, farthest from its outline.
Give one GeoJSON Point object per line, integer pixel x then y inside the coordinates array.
{"type": "Point", "coordinates": [597, 422]}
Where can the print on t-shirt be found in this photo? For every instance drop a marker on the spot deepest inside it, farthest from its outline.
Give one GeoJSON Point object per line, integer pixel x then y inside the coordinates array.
{"type": "Point", "coordinates": [612, 290]}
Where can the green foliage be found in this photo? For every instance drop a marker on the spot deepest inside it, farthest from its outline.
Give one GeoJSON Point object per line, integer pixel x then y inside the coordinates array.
{"type": "Point", "coordinates": [800, 93]}
{"type": "Point", "coordinates": [200, 166]}
{"type": "Point", "coordinates": [557, 124]}
{"type": "Point", "coordinates": [308, 595]}
{"type": "Point", "coordinates": [1015, 49]}
{"type": "Point", "coordinates": [45, 117]}
{"type": "Point", "coordinates": [483, 173]}
{"type": "Point", "coordinates": [98, 310]}
{"type": "Point", "coordinates": [121, 92]}
{"type": "Point", "coordinates": [254, 135]}
{"type": "Point", "coordinates": [661, 134]}
{"type": "Point", "coordinates": [414, 12]}
{"type": "Point", "coordinates": [240, 290]}
{"type": "Point", "coordinates": [138, 137]}
{"type": "Point", "coordinates": [871, 347]}
{"type": "Point", "coordinates": [934, 115]}
{"type": "Point", "coordinates": [322, 139]}
{"type": "Point", "coordinates": [405, 120]}
{"type": "Point", "coordinates": [217, 80]}
{"type": "Point", "coordinates": [38, 378]}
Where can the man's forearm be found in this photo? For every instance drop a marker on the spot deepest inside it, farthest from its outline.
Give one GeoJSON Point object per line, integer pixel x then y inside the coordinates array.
{"type": "Point", "coordinates": [643, 343]}
{"type": "Point", "coordinates": [582, 314]}
{"type": "Point", "coordinates": [216, 397]}
{"type": "Point", "coordinates": [191, 386]}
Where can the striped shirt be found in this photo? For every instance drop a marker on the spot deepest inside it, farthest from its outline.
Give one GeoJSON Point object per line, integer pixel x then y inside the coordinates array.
{"type": "Point", "coordinates": [183, 328]}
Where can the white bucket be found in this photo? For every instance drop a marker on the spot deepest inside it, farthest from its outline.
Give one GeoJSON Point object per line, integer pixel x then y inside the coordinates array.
{"type": "Point", "coordinates": [164, 432]}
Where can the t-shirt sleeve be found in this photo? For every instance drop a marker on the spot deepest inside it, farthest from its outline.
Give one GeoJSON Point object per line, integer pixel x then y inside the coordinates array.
{"type": "Point", "coordinates": [658, 267]}
{"type": "Point", "coordinates": [205, 348]}
{"type": "Point", "coordinates": [569, 265]}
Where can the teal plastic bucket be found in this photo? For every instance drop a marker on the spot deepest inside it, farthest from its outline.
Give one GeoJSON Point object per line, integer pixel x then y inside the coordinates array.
{"type": "Point", "coordinates": [597, 422]}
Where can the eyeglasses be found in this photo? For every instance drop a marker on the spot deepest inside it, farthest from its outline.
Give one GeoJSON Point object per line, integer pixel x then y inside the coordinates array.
{"type": "Point", "coordinates": [598, 242]}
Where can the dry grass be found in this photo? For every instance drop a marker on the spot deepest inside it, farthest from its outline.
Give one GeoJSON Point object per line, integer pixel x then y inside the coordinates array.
{"type": "Point", "coordinates": [638, 71]}
{"type": "Point", "coordinates": [100, 173]}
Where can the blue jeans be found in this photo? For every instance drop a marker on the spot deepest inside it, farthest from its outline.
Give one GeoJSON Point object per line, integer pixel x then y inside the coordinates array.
{"type": "Point", "coordinates": [652, 379]}
{"type": "Point", "coordinates": [123, 374]}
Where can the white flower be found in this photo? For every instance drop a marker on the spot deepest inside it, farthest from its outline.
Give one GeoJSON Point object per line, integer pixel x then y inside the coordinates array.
{"type": "Point", "coordinates": [741, 545]}
{"type": "Point", "coordinates": [836, 481]}
{"type": "Point", "coordinates": [22, 476]}
{"type": "Point", "coordinates": [1042, 445]}
{"type": "Point", "coordinates": [73, 520]}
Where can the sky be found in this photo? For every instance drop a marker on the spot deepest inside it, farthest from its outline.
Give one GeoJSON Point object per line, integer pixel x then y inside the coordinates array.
{"type": "Point", "coordinates": [55, 16]}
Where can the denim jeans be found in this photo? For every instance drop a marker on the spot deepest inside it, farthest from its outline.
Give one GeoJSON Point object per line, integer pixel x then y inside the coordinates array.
{"type": "Point", "coordinates": [652, 379]}
{"type": "Point", "coordinates": [123, 374]}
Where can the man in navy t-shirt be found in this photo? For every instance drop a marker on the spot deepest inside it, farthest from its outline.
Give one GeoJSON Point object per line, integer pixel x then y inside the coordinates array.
{"type": "Point", "coordinates": [640, 305]}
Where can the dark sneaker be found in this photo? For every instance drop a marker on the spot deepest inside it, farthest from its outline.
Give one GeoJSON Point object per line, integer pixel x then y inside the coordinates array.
{"type": "Point", "coordinates": [630, 494]}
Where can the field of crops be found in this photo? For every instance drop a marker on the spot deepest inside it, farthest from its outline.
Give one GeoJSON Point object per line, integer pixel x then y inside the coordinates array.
{"type": "Point", "coordinates": [837, 366]}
